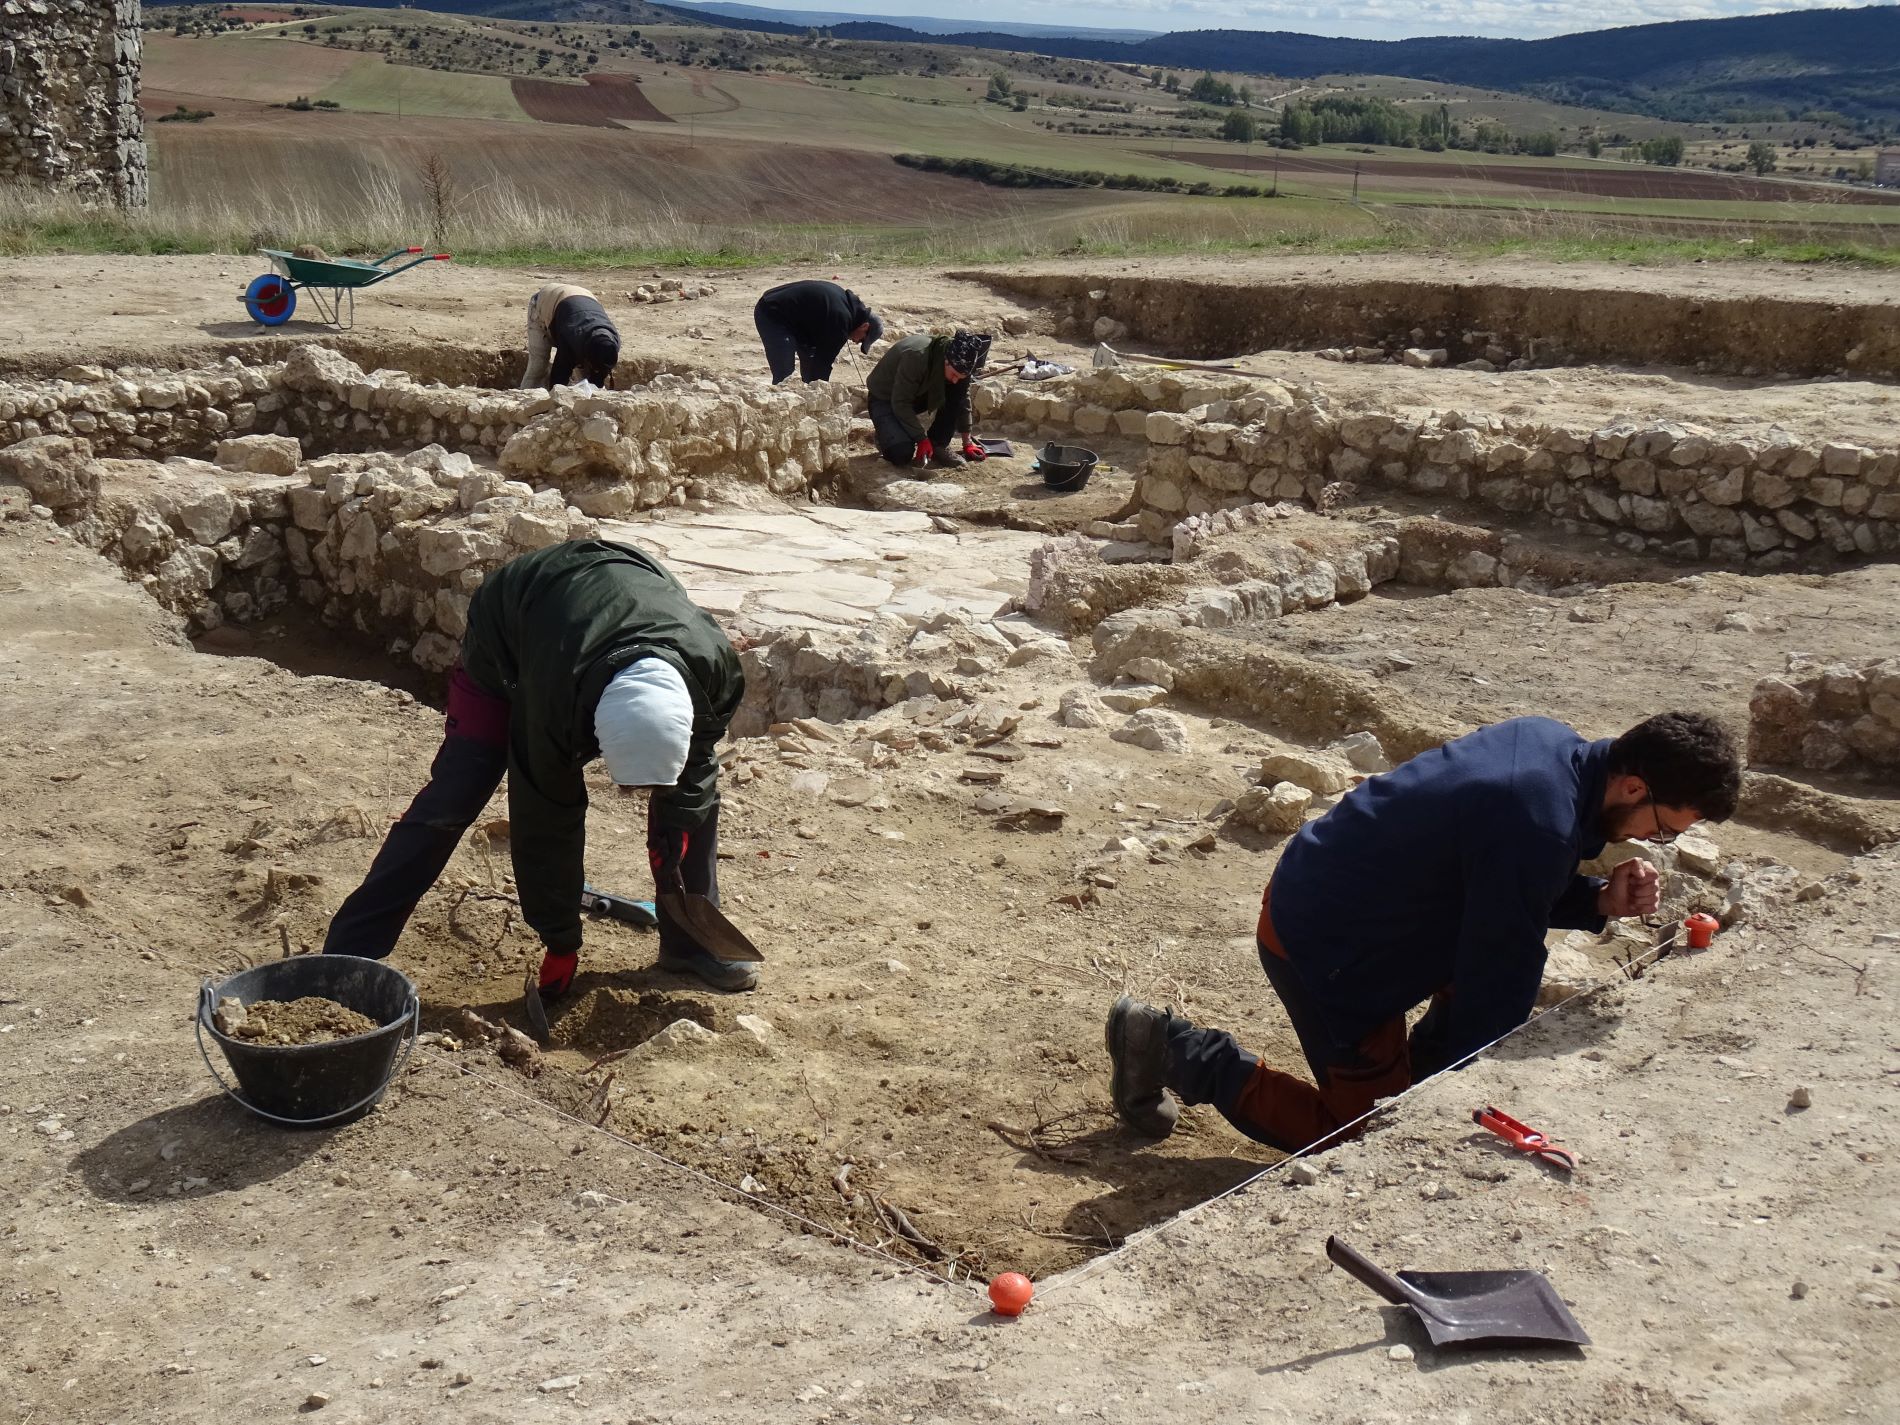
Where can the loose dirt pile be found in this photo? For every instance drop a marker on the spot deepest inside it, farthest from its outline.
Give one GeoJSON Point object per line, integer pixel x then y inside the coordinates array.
{"type": "Point", "coordinates": [310, 1020]}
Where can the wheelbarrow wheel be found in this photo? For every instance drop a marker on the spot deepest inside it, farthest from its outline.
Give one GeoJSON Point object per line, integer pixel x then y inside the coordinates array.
{"type": "Point", "coordinates": [270, 300]}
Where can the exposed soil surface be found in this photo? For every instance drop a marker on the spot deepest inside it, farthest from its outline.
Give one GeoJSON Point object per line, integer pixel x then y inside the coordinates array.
{"type": "Point", "coordinates": [513, 1241]}
{"type": "Point", "coordinates": [601, 103]}
{"type": "Point", "coordinates": [310, 1020]}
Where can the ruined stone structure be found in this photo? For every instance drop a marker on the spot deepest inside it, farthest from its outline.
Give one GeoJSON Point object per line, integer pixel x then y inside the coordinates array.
{"type": "Point", "coordinates": [69, 98]}
{"type": "Point", "coordinates": [1887, 167]}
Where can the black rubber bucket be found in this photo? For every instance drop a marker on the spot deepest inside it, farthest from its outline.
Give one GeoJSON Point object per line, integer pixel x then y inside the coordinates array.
{"type": "Point", "coordinates": [1066, 467]}
{"type": "Point", "coordinates": [315, 1085]}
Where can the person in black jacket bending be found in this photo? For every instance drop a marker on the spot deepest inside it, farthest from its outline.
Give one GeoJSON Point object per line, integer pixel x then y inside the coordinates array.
{"type": "Point", "coordinates": [1437, 880]}
{"type": "Point", "coordinates": [811, 322]}
{"type": "Point", "coordinates": [581, 650]}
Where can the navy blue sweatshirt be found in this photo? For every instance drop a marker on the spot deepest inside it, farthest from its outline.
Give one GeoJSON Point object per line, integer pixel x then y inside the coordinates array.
{"type": "Point", "coordinates": [1446, 873]}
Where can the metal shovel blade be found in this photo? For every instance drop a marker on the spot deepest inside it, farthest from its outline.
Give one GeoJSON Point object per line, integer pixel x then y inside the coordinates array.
{"type": "Point", "coordinates": [705, 922]}
{"type": "Point", "coordinates": [1471, 1308]}
{"type": "Point", "coordinates": [537, 1012]}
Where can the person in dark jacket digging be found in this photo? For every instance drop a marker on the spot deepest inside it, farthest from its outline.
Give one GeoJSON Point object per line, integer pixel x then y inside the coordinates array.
{"type": "Point", "coordinates": [809, 323]}
{"type": "Point", "coordinates": [570, 337]}
{"type": "Point", "coordinates": [920, 397]}
{"type": "Point", "coordinates": [580, 650]}
{"type": "Point", "coordinates": [1437, 880]}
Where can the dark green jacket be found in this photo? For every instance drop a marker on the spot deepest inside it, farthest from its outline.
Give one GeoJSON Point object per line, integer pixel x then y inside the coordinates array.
{"type": "Point", "coordinates": [549, 631]}
{"type": "Point", "coordinates": [909, 379]}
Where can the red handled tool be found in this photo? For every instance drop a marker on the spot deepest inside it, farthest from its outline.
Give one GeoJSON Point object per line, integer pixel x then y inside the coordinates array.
{"type": "Point", "coordinates": [1523, 1137]}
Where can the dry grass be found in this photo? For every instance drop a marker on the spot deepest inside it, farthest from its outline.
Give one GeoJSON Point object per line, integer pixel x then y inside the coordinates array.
{"type": "Point", "coordinates": [499, 223]}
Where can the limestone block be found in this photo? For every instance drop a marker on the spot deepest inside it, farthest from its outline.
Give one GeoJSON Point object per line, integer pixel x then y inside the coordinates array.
{"type": "Point", "coordinates": [1315, 771]}
{"type": "Point", "coordinates": [536, 528]}
{"type": "Point", "coordinates": [444, 550]}
{"type": "Point", "coordinates": [257, 545]}
{"type": "Point", "coordinates": [435, 652]}
{"type": "Point", "coordinates": [261, 454]}
{"type": "Point", "coordinates": [205, 515]}
{"type": "Point", "coordinates": [1155, 730]}
{"type": "Point", "coordinates": [57, 470]}
{"type": "Point", "coordinates": [1163, 428]}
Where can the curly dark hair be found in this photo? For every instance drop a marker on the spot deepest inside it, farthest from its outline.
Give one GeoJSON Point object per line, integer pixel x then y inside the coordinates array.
{"type": "Point", "coordinates": [1687, 759]}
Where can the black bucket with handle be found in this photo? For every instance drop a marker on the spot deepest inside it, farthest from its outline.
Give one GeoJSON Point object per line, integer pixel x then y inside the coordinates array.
{"type": "Point", "coordinates": [1066, 467]}
{"type": "Point", "coordinates": [319, 1085]}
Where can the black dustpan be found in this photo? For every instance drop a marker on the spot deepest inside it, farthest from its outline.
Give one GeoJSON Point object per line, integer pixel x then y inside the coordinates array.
{"type": "Point", "coordinates": [1471, 1308]}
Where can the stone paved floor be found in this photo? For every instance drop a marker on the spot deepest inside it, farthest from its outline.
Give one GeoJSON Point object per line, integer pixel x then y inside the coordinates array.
{"type": "Point", "coordinates": [828, 569]}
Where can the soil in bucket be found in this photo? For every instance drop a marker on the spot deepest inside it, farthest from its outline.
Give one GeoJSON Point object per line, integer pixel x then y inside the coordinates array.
{"type": "Point", "coordinates": [309, 1020]}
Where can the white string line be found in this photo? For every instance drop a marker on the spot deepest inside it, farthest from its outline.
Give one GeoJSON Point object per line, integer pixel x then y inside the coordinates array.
{"type": "Point", "coordinates": [765, 1204]}
{"type": "Point", "coordinates": [1076, 1274]}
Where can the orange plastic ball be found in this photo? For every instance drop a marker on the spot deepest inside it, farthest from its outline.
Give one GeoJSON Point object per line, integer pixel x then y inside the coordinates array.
{"type": "Point", "coordinates": [1010, 1293]}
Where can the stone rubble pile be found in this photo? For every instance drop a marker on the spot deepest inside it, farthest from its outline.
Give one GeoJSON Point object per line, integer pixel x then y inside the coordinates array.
{"type": "Point", "coordinates": [1218, 443]}
{"type": "Point", "coordinates": [1828, 717]}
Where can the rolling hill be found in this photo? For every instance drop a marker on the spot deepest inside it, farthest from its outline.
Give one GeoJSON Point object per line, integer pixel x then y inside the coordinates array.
{"type": "Point", "coordinates": [1847, 61]}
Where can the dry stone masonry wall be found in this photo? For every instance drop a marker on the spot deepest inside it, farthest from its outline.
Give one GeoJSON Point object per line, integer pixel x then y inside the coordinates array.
{"type": "Point", "coordinates": [1835, 717]}
{"type": "Point", "coordinates": [1766, 499]}
{"type": "Point", "coordinates": [390, 544]}
{"type": "Point", "coordinates": [69, 98]}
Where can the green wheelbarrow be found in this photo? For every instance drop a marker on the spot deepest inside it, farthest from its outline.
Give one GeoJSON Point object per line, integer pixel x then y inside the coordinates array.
{"type": "Point", "coordinates": [331, 282]}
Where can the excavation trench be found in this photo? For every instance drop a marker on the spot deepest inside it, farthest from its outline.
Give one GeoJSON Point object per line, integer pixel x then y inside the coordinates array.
{"type": "Point", "coordinates": [906, 929]}
{"type": "Point", "coordinates": [1207, 319]}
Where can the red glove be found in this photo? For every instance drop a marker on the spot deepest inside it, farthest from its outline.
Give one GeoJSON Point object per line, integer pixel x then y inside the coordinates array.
{"type": "Point", "coordinates": [973, 449]}
{"type": "Point", "coordinates": [557, 972]}
{"type": "Point", "coordinates": [925, 450]}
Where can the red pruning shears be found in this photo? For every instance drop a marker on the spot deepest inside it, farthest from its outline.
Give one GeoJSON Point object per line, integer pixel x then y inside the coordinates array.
{"type": "Point", "coordinates": [1523, 1137]}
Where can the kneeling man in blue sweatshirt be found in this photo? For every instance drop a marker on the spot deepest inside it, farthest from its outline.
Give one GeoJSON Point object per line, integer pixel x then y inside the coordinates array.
{"type": "Point", "coordinates": [1436, 881]}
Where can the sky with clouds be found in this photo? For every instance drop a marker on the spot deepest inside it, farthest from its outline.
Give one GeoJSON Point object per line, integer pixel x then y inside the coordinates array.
{"type": "Point", "coordinates": [1366, 19]}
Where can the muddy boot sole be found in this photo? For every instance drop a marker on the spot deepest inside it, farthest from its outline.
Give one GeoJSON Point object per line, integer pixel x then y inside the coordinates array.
{"type": "Point", "coordinates": [1136, 1035]}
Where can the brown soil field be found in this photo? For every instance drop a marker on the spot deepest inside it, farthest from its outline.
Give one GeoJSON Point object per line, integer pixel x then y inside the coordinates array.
{"type": "Point", "coordinates": [252, 154]}
{"type": "Point", "coordinates": [601, 103]}
{"type": "Point", "coordinates": [197, 69]}
{"type": "Point", "coordinates": [1603, 182]}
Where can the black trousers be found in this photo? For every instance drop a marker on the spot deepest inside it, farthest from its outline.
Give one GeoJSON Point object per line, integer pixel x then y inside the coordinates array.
{"type": "Point", "coordinates": [467, 770]}
{"type": "Point", "coordinates": [898, 446]}
{"type": "Point", "coordinates": [783, 346]}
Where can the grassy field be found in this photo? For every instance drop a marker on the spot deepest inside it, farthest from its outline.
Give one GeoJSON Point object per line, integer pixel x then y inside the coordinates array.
{"type": "Point", "coordinates": [779, 147]}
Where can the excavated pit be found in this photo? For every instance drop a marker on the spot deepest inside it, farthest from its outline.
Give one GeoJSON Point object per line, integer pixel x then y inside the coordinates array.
{"type": "Point", "coordinates": [901, 641]}
{"type": "Point", "coordinates": [1495, 322]}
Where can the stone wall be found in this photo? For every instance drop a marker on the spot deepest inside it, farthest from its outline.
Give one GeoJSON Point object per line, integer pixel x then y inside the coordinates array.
{"type": "Point", "coordinates": [1665, 488]}
{"type": "Point", "coordinates": [611, 453]}
{"type": "Point", "coordinates": [69, 98]}
{"type": "Point", "coordinates": [1828, 717]}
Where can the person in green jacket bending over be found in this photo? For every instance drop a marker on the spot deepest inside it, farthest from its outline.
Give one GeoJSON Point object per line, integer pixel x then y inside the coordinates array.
{"type": "Point", "coordinates": [580, 650]}
{"type": "Point", "coordinates": [920, 398]}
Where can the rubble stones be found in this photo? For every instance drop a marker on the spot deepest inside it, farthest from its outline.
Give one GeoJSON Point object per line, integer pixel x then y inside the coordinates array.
{"type": "Point", "coordinates": [1277, 810]}
{"type": "Point", "coordinates": [56, 470]}
{"type": "Point", "coordinates": [70, 119]}
{"type": "Point", "coordinates": [1155, 730]}
{"type": "Point", "coordinates": [1828, 717]}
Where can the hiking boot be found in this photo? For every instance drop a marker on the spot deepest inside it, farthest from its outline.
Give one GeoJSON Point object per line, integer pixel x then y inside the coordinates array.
{"type": "Point", "coordinates": [1137, 1037]}
{"type": "Point", "coordinates": [720, 974]}
{"type": "Point", "coordinates": [947, 459]}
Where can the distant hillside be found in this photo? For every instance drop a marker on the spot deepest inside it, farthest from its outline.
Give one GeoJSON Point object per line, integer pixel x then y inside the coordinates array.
{"type": "Point", "coordinates": [1844, 60]}
{"type": "Point", "coordinates": [918, 23]}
